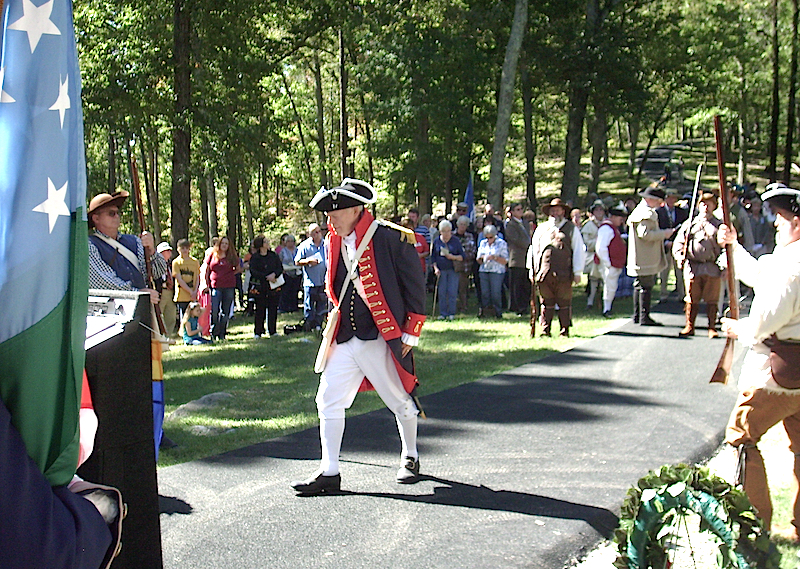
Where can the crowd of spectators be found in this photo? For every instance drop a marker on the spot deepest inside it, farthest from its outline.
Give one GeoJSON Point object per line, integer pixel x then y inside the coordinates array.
{"type": "Point", "coordinates": [488, 260]}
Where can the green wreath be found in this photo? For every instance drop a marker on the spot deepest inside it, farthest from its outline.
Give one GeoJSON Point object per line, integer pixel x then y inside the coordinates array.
{"type": "Point", "coordinates": [643, 534]}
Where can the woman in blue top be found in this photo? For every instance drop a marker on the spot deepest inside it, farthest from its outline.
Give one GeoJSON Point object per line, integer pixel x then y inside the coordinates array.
{"type": "Point", "coordinates": [445, 251]}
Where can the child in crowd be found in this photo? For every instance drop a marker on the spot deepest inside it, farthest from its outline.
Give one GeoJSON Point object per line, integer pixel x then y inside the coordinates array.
{"type": "Point", "coordinates": [192, 335]}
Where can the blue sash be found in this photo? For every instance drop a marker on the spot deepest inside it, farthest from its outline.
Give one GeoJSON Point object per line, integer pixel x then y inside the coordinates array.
{"type": "Point", "coordinates": [124, 269]}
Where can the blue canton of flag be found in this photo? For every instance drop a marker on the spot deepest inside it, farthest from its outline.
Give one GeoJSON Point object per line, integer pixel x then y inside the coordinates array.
{"type": "Point", "coordinates": [42, 163]}
{"type": "Point", "coordinates": [43, 239]}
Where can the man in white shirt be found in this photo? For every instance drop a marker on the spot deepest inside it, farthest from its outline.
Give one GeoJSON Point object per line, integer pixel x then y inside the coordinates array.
{"type": "Point", "coordinates": [769, 381]}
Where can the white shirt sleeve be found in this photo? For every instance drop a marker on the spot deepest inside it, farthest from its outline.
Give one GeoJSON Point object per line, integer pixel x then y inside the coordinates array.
{"type": "Point", "coordinates": [604, 236]}
{"type": "Point", "coordinates": [578, 251]}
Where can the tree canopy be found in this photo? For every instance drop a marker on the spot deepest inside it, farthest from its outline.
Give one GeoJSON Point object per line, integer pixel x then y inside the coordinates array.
{"type": "Point", "coordinates": [239, 111]}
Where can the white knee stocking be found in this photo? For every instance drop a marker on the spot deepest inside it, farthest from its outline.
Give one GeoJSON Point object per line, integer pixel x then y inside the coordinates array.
{"type": "Point", "coordinates": [592, 291]}
{"type": "Point", "coordinates": [331, 432]}
{"type": "Point", "coordinates": [408, 436]}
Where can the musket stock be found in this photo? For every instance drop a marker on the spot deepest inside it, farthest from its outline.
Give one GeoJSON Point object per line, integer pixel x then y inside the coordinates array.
{"type": "Point", "coordinates": [723, 370]}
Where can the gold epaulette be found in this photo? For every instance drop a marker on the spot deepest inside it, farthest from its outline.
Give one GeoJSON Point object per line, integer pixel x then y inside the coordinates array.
{"type": "Point", "coordinates": [406, 234]}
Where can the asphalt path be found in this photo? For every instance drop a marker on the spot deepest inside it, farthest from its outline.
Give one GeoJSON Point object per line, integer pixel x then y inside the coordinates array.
{"type": "Point", "coordinates": [527, 468]}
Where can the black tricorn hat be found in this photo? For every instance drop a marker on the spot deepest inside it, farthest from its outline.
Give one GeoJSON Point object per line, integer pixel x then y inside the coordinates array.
{"type": "Point", "coordinates": [349, 193]}
{"type": "Point", "coordinates": [653, 192]}
{"type": "Point", "coordinates": [782, 197]}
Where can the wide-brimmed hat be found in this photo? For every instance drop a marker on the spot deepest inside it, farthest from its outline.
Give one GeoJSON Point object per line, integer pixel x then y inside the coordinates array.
{"type": "Point", "coordinates": [708, 196]}
{"type": "Point", "coordinates": [653, 192]}
{"type": "Point", "coordinates": [104, 200]}
{"type": "Point", "coordinates": [349, 193]}
{"type": "Point", "coordinates": [555, 202]}
{"type": "Point", "coordinates": [783, 197]}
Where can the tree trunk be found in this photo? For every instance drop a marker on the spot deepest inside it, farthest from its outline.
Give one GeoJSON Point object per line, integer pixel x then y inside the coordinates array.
{"type": "Point", "coordinates": [773, 133]}
{"type": "Point", "coordinates": [598, 138]}
{"type": "Point", "coordinates": [578, 99]}
{"type": "Point", "coordinates": [790, 115]}
{"type": "Point", "coordinates": [368, 133]}
{"type": "Point", "coordinates": [137, 228]}
{"type": "Point", "coordinates": [343, 120]}
{"type": "Point", "coordinates": [494, 189]}
{"type": "Point", "coordinates": [530, 143]}
{"type": "Point", "coordinates": [323, 175]}
{"type": "Point", "coordinates": [448, 188]}
{"type": "Point", "coordinates": [744, 135]}
{"type": "Point", "coordinates": [152, 196]}
{"type": "Point", "coordinates": [112, 162]}
{"type": "Point", "coordinates": [232, 208]}
{"type": "Point", "coordinates": [422, 174]}
{"type": "Point", "coordinates": [202, 184]}
{"type": "Point", "coordinates": [306, 159]}
{"type": "Point", "coordinates": [633, 137]}
{"type": "Point", "coordinates": [213, 219]}
{"type": "Point", "coordinates": [248, 208]}
{"type": "Point", "coordinates": [181, 133]}
{"type": "Point", "coordinates": [620, 138]}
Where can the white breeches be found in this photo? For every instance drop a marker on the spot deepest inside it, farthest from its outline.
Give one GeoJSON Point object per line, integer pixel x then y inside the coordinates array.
{"type": "Point", "coordinates": [346, 368]}
{"type": "Point", "coordinates": [610, 283]}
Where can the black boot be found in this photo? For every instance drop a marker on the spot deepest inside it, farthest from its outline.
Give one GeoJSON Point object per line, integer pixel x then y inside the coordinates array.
{"type": "Point", "coordinates": [644, 308]}
{"type": "Point", "coordinates": [636, 295]}
{"type": "Point", "coordinates": [318, 484]}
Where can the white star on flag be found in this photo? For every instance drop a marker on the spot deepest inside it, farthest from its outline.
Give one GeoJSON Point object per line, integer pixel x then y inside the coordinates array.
{"type": "Point", "coordinates": [4, 97]}
{"type": "Point", "coordinates": [55, 204]}
{"type": "Point", "coordinates": [62, 102]}
{"type": "Point", "coordinates": [36, 22]}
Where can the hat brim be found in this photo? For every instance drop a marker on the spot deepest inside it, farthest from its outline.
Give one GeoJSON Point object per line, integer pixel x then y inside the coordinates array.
{"type": "Point", "coordinates": [117, 199]}
{"type": "Point", "coordinates": [343, 196]}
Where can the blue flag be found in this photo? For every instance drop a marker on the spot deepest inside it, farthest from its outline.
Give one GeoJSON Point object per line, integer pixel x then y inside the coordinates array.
{"type": "Point", "coordinates": [43, 239]}
{"type": "Point", "coordinates": [469, 198]}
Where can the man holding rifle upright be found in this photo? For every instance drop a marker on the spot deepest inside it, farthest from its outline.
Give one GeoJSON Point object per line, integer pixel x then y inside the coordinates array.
{"type": "Point", "coordinates": [769, 383]}
{"type": "Point", "coordinates": [117, 262]}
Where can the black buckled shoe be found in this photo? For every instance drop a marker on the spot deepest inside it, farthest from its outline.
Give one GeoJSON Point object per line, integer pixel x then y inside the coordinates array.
{"type": "Point", "coordinates": [318, 484]}
{"type": "Point", "coordinates": [409, 471]}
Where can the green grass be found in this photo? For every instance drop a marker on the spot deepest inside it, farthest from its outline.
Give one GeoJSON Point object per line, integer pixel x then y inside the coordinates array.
{"type": "Point", "coordinates": [273, 383]}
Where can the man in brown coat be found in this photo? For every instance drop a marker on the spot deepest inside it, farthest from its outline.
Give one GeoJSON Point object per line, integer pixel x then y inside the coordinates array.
{"type": "Point", "coordinates": [697, 252]}
{"type": "Point", "coordinates": [518, 239]}
{"type": "Point", "coordinates": [556, 258]}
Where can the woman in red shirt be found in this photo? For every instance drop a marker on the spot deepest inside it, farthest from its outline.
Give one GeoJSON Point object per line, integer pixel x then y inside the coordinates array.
{"type": "Point", "coordinates": [222, 267]}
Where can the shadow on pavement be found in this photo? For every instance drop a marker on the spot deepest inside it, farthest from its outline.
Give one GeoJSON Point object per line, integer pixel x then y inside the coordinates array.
{"type": "Point", "coordinates": [462, 495]}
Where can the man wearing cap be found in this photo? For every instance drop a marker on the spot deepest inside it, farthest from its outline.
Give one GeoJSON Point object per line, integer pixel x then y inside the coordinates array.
{"type": "Point", "coordinates": [696, 242]}
{"type": "Point", "coordinates": [378, 294]}
{"type": "Point", "coordinates": [117, 262]}
{"type": "Point", "coordinates": [555, 261]}
{"type": "Point", "coordinates": [769, 380]}
{"type": "Point", "coordinates": [670, 215]}
{"type": "Point", "coordinates": [518, 239]}
{"type": "Point", "coordinates": [646, 256]}
{"type": "Point", "coordinates": [611, 251]}
{"type": "Point", "coordinates": [311, 256]}
{"type": "Point", "coordinates": [592, 267]}
{"type": "Point", "coordinates": [166, 288]}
